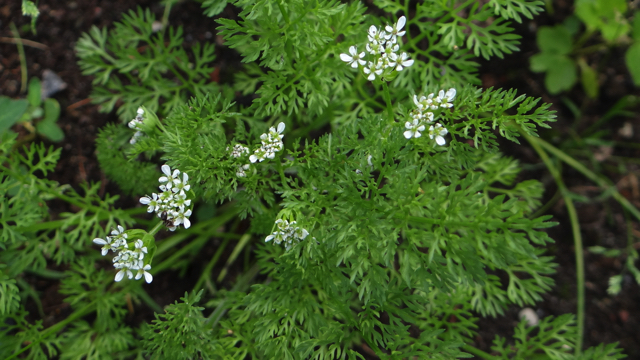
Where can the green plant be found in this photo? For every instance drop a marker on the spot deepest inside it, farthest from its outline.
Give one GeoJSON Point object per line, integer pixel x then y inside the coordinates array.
{"type": "Point", "coordinates": [563, 48]}
{"type": "Point", "coordinates": [30, 9]}
{"type": "Point", "coordinates": [366, 191]}
{"type": "Point", "coordinates": [27, 111]}
{"type": "Point", "coordinates": [137, 64]}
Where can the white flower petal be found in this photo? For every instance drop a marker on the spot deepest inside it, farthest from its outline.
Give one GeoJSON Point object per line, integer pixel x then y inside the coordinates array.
{"type": "Point", "coordinates": [166, 169]}
{"type": "Point", "coordinates": [408, 134]}
{"type": "Point", "coordinates": [119, 275]}
{"type": "Point", "coordinates": [100, 241]}
{"type": "Point", "coordinates": [148, 277]}
{"type": "Point", "coordinates": [281, 127]}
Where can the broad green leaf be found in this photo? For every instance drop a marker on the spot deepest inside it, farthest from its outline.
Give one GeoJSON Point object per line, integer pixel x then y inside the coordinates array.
{"type": "Point", "coordinates": [589, 79]}
{"type": "Point", "coordinates": [554, 40]}
{"type": "Point", "coordinates": [51, 110]}
{"type": "Point", "coordinates": [605, 16]}
{"type": "Point", "coordinates": [635, 30]}
{"type": "Point", "coordinates": [562, 76]}
{"type": "Point", "coordinates": [11, 112]}
{"type": "Point", "coordinates": [543, 61]}
{"type": "Point", "coordinates": [632, 58]}
{"type": "Point", "coordinates": [50, 130]}
{"type": "Point", "coordinates": [34, 96]}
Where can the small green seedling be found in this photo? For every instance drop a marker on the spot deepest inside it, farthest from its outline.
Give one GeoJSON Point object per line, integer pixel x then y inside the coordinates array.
{"type": "Point", "coordinates": [564, 49]}
{"type": "Point", "coordinates": [32, 111]}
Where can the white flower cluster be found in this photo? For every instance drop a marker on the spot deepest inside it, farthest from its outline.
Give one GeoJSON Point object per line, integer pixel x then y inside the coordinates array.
{"type": "Point", "coordinates": [383, 47]}
{"type": "Point", "coordinates": [422, 115]}
{"type": "Point", "coordinates": [136, 124]}
{"type": "Point", "coordinates": [127, 261]}
{"type": "Point", "coordinates": [271, 143]}
{"type": "Point", "coordinates": [171, 204]}
{"type": "Point", "coordinates": [286, 233]}
{"type": "Point", "coordinates": [241, 168]}
{"type": "Point", "coordinates": [238, 150]}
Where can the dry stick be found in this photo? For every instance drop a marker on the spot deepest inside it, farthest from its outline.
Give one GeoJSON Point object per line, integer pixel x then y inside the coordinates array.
{"type": "Point", "coordinates": [24, 42]}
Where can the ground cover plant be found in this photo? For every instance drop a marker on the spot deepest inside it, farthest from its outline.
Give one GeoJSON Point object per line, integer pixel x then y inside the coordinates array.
{"type": "Point", "coordinates": [350, 173]}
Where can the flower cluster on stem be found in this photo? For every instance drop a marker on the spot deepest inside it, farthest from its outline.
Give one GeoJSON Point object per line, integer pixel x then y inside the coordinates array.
{"type": "Point", "coordinates": [238, 150]}
{"type": "Point", "coordinates": [271, 144]}
{"type": "Point", "coordinates": [422, 115]}
{"type": "Point", "coordinates": [130, 256]}
{"type": "Point", "coordinates": [383, 59]}
{"type": "Point", "coordinates": [171, 205]}
{"type": "Point", "coordinates": [286, 232]}
{"type": "Point", "coordinates": [136, 124]}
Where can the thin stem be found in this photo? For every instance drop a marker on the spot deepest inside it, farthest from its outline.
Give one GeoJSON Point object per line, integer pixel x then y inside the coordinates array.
{"type": "Point", "coordinates": [21, 55]}
{"type": "Point", "coordinates": [387, 100]}
{"type": "Point", "coordinates": [140, 291]}
{"type": "Point", "coordinates": [165, 15]}
{"type": "Point", "coordinates": [577, 236]}
{"type": "Point", "coordinates": [604, 183]}
{"type": "Point", "coordinates": [477, 352]}
{"type": "Point", "coordinates": [281, 172]}
{"type": "Point", "coordinates": [206, 274]}
{"type": "Point", "coordinates": [156, 228]}
{"type": "Point", "coordinates": [34, 295]}
{"type": "Point", "coordinates": [241, 285]}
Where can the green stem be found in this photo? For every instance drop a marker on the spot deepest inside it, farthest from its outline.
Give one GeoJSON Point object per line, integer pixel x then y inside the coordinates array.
{"type": "Point", "coordinates": [46, 273]}
{"type": "Point", "coordinates": [22, 57]}
{"type": "Point", "coordinates": [241, 285]}
{"type": "Point", "coordinates": [165, 15]}
{"type": "Point", "coordinates": [281, 172]}
{"type": "Point", "coordinates": [206, 274]}
{"type": "Point", "coordinates": [537, 144]}
{"type": "Point", "coordinates": [34, 295]}
{"type": "Point", "coordinates": [603, 183]}
{"type": "Point", "coordinates": [156, 228]}
{"type": "Point", "coordinates": [387, 100]}
{"type": "Point", "coordinates": [55, 328]}
{"type": "Point", "coordinates": [148, 300]}
{"type": "Point", "coordinates": [477, 352]}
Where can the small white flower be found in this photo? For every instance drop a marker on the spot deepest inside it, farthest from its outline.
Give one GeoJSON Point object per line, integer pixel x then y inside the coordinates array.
{"type": "Point", "coordinates": [414, 129]}
{"type": "Point", "coordinates": [106, 243]}
{"type": "Point", "coordinates": [397, 27]}
{"type": "Point", "coordinates": [143, 271]}
{"type": "Point", "coordinates": [122, 272]}
{"type": "Point", "coordinates": [438, 132]}
{"type": "Point", "coordinates": [179, 185]}
{"type": "Point", "coordinates": [140, 246]}
{"type": "Point", "coordinates": [446, 99]}
{"type": "Point", "coordinates": [169, 176]}
{"type": "Point", "coordinates": [140, 111]}
{"type": "Point", "coordinates": [377, 36]}
{"type": "Point", "coordinates": [403, 61]}
{"type": "Point", "coordinates": [239, 150]}
{"type": "Point", "coordinates": [372, 70]}
{"type": "Point", "coordinates": [182, 217]}
{"type": "Point", "coordinates": [240, 172]}
{"type": "Point", "coordinates": [354, 59]}
{"type": "Point", "coordinates": [151, 201]}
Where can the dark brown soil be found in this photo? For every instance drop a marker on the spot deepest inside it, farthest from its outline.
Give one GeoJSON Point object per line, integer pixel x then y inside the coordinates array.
{"type": "Point", "coordinates": [603, 222]}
